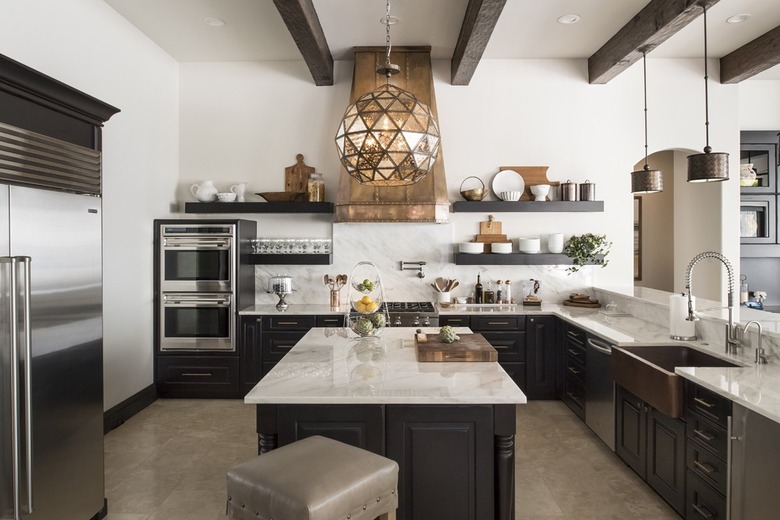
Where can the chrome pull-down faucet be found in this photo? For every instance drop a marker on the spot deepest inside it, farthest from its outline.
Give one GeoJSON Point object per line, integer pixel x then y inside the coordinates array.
{"type": "Point", "coordinates": [760, 354]}
{"type": "Point", "coordinates": [732, 343]}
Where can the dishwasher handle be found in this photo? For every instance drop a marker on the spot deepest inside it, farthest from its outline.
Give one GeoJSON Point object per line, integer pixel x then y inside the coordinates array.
{"type": "Point", "coordinates": [603, 348]}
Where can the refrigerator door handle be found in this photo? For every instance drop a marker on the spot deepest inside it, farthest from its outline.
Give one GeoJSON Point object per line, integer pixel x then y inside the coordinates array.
{"type": "Point", "coordinates": [25, 262]}
{"type": "Point", "coordinates": [10, 263]}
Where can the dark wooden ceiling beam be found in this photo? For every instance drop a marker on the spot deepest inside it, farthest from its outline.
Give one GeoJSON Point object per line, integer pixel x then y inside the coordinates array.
{"type": "Point", "coordinates": [478, 24]}
{"type": "Point", "coordinates": [757, 56]}
{"type": "Point", "coordinates": [652, 26]}
{"type": "Point", "coordinates": [302, 21]}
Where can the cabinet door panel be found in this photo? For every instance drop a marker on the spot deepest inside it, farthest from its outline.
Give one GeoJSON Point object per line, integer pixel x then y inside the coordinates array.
{"type": "Point", "coordinates": [250, 350]}
{"type": "Point", "coordinates": [702, 502]}
{"type": "Point", "coordinates": [358, 425]}
{"type": "Point", "coordinates": [454, 321]}
{"type": "Point", "coordinates": [510, 345]}
{"type": "Point", "coordinates": [197, 376]}
{"type": "Point", "coordinates": [517, 371]}
{"type": "Point", "coordinates": [631, 434]}
{"type": "Point", "coordinates": [482, 323]}
{"type": "Point", "coordinates": [446, 459]}
{"type": "Point", "coordinates": [541, 358]}
{"type": "Point", "coordinates": [666, 458]}
{"type": "Point", "coordinates": [277, 344]}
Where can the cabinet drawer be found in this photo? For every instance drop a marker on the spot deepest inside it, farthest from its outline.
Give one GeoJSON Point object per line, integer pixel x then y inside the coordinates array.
{"type": "Point", "coordinates": [336, 320]}
{"type": "Point", "coordinates": [575, 335]}
{"type": "Point", "coordinates": [510, 345]}
{"type": "Point", "coordinates": [575, 370]}
{"type": "Point", "coordinates": [454, 321]}
{"type": "Point", "coordinates": [703, 502]}
{"type": "Point", "coordinates": [197, 376]}
{"type": "Point", "coordinates": [288, 322]}
{"type": "Point", "coordinates": [277, 344]}
{"type": "Point", "coordinates": [574, 396]}
{"type": "Point", "coordinates": [483, 323]}
{"type": "Point", "coordinates": [707, 466]}
{"type": "Point", "coordinates": [575, 353]}
{"type": "Point", "coordinates": [707, 434]}
{"type": "Point", "coordinates": [708, 404]}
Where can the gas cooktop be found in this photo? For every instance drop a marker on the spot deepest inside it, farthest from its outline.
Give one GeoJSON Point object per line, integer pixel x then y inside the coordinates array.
{"type": "Point", "coordinates": [412, 307]}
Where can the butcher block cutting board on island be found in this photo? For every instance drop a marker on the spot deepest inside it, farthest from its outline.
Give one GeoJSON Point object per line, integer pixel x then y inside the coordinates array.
{"type": "Point", "coordinates": [470, 347]}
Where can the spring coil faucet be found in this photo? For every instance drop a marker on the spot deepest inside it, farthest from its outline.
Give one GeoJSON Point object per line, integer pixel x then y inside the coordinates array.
{"type": "Point", "coordinates": [731, 341]}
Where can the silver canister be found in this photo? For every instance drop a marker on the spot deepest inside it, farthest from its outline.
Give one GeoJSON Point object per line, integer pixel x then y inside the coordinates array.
{"type": "Point", "coordinates": [568, 190]}
{"type": "Point", "coordinates": [587, 190]}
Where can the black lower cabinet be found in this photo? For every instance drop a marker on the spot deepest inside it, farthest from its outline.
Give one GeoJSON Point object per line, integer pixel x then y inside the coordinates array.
{"type": "Point", "coordinates": [540, 357]}
{"type": "Point", "coordinates": [653, 445]}
{"type": "Point", "coordinates": [198, 376]}
{"type": "Point", "coordinates": [280, 334]}
{"type": "Point", "coordinates": [446, 459]}
{"type": "Point", "coordinates": [572, 368]}
{"type": "Point", "coordinates": [362, 426]}
{"type": "Point", "coordinates": [250, 351]}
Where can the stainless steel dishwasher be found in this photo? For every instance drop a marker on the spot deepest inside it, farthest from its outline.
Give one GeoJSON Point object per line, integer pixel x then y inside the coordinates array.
{"type": "Point", "coordinates": [600, 390]}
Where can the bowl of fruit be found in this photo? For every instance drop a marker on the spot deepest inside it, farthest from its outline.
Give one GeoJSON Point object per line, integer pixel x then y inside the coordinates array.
{"type": "Point", "coordinates": [367, 325]}
{"type": "Point", "coordinates": [366, 304]}
{"type": "Point", "coordinates": [366, 286]}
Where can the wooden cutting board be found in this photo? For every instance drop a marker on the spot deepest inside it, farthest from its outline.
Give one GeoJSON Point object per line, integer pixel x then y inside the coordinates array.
{"type": "Point", "coordinates": [490, 239]}
{"type": "Point", "coordinates": [470, 347]}
{"type": "Point", "coordinates": [592, 305]}
{"type": "Point", "coordinates": [296, 177]}
{"type": "Point", "coordinates": [532, 175]}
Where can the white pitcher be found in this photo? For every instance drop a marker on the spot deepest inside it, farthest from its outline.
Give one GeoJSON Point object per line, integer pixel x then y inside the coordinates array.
{"type": "Point", "coordinates": [205, 191]}
{"type": "Point", "coordinates": [240, 191]}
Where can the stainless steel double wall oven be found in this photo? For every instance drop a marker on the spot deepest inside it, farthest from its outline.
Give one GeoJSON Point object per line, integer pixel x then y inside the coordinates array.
{"type": "Point", "coordinates": [201, 282]}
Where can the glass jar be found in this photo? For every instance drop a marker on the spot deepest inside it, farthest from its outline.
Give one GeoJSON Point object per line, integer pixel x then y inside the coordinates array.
{"type": "Point", "coordinates": [316, 188]}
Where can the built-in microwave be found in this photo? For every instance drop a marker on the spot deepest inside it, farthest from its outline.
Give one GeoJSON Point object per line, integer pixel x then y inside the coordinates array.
{"type": "Point", "coordinates": [197, 322]}
{"type": "Point", "coordinates": [197, 257]}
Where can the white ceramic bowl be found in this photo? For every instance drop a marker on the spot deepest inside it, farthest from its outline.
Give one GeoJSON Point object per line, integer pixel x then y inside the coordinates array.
{"type": "Point", "coordinates": [540, 191]}
{"type": "Point", "coordinates": [471, 247]}
{"type": "Point", "coordinates": [226, 197]}
{"type": "Point", "coordinates": [511, 195]}
{"type": "Point", "coordinates": [529, 245]}
{"type": "Point", "coordinates": [501, 247]}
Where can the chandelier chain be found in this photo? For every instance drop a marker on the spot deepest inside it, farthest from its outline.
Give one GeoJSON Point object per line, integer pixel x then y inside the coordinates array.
{"type": "Point", "coordinates": [644, 82]}
{"type": "Point", "coordinates": [707, 148]}
{"type": "Point", "coordinates": [387, 29]}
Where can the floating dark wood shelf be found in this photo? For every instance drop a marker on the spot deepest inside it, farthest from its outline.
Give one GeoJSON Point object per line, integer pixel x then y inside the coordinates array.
{"type": "Point", "coordinates": [282, 259]}
{"type": "Point", "coordinates": [258, 207]}
{"type": "Point", "coordinates": [465, 206]}
{"type": "Point", "coordinates": [512, 259]}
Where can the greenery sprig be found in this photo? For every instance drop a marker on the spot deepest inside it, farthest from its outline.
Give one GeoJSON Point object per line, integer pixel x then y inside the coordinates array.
{"type": "Point", "coordinates": [587, 249]}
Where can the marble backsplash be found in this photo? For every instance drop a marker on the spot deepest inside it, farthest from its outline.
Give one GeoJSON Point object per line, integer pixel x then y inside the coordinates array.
{"type": "Point", "coordinates": [389, 244]}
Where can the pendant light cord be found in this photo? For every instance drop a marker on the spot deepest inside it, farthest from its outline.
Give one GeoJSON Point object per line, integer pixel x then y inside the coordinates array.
{"type": "Point", "coordinates": [707, 148]}
{"type": "Point", "coordinates": [644, 82]}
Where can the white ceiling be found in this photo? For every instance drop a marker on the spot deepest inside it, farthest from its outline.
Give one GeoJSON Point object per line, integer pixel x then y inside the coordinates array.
{"type": "Point", "coordinates": [527, 29]}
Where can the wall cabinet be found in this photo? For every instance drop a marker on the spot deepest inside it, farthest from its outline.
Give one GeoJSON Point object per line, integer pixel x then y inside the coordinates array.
{"type": "Point", "coordinates": [653, 445]}
{"type": "Point", "coordinates": [758, 208]}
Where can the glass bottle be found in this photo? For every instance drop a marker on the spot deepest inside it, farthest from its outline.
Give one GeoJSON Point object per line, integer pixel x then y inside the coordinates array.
{"type": "Point", "coordinates": [478, 291]}
{"type": "Point", "coordinates": [316, 188]}
{"type": "Point", "coordinates": [489, 296]}
{"type": "Point", "coordinates": [508, 292]}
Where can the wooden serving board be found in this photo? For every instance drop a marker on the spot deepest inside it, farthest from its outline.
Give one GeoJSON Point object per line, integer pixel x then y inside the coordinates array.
{"type": "Point", "coordinates": [296, 177]}
{"type": "Point", "coordinates": [592, 305]}
{"type": "Point", "coordinates": [470, 347]}
{"type": "Point", "coordinates": [532, 175]}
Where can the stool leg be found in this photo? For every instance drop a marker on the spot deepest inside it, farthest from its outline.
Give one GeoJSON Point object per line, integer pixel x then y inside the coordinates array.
{"type": "Point", "coordinates": [387, 516]}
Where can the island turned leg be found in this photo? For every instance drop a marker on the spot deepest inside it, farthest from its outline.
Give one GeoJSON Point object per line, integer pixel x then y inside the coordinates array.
{"type": "Point", "coordinates": [267, 428]}
{"type": "Point", "coordinates": [505, 476]}
{"type": "Point", "coordinates": [504, 457]}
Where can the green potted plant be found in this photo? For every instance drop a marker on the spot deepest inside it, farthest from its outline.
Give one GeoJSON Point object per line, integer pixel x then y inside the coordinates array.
{"type": "Point", "coordinates": [587, 249]}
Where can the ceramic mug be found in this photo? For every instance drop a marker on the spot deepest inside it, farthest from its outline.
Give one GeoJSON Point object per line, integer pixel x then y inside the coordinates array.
{"type": "Point", "coordinates": [555, 242]}
{"type": "Point", "coordinates": [226, 197]}
{"type": "Point", "coordinates": [240, 191]}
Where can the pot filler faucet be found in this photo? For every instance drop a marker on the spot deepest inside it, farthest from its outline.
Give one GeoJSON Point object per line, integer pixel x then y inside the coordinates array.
{"type": "Point", "coordinates": [732, 343]}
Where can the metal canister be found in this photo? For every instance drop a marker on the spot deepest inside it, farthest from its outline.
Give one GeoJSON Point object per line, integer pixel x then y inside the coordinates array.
{"type": "Point", "coordinates": [568, 190]}
{"type": "Point", "coordinates": [588, 190]}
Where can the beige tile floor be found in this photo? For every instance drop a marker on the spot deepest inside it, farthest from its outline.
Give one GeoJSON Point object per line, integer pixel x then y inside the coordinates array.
{"type": "Point", "coordinates": [169, 463]}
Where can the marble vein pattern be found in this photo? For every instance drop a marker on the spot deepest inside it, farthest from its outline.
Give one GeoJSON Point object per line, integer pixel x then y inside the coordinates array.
{"type": "Point", "coordinates": [327, 366]}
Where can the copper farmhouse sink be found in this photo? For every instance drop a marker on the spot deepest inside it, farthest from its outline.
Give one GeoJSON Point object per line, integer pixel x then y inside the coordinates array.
{"type": "Point", "coordinates": [648, 372]}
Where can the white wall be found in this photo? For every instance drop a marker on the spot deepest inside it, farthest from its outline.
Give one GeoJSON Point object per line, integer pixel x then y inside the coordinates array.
{"type": "Point", "coordinates": [246, 121]}
{"type": "Point", "coordinates": [87, 45]}
{"type": "Point", "coordinates": [759, 105]}
{"type": "Point", "coordinates": [657, 232]}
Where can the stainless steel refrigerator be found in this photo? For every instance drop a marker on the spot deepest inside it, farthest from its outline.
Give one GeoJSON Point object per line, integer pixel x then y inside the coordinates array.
{"type": "Point", "coordinates": [51, 361]}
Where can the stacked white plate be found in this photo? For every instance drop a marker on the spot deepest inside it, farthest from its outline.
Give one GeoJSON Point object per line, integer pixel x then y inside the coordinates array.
{"type": "Point", "coordinates": [471, 247]}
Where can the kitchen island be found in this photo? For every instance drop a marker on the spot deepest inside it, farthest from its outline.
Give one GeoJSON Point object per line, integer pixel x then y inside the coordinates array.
{"type": "Point", "coordinates": [450, 426]}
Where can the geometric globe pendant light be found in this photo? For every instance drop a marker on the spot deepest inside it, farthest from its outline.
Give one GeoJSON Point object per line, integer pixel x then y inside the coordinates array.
{"type": "Point", "coordinates": [707, 166]}
{"type": "Point", "coordinates": [388, 137]}
{"type": "Point", "coordinates": [646, 180]}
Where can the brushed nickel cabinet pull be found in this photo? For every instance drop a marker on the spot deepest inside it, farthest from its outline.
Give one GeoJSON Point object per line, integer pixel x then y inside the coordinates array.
{"type": "Point", "coordinates": [704, 435]}
{"type": "Point", "coordinates": [197, 374]}
{"type": "Point", "coordinates": [706, 468]}
{"type": "Point", "coordinates": [498, 323]}
{"type": "Point", "coordinates": [704, 403]}
{"type": "Point", "coordinates": [573, 352]}
{"type": "Point", "coordinates": [287, 323]}
{"type": "Point", "coordinates": [702, 512]}
{"type": "Point", "coordinates": [574, 370]}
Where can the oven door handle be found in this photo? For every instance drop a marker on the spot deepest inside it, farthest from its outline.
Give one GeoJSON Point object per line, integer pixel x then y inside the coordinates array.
{"type": "Point", "coordinates": [190, 243]}
{"type": "Point", "coordinates": [169, 301]}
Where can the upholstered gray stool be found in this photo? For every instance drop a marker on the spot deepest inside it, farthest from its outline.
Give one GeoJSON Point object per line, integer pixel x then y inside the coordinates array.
{"type": "Point", "coordinates": [314, 479]}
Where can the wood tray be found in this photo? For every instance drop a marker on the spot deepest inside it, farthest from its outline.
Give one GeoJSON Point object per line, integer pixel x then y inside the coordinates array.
{"type": "Point", "coordinates": [470, 347]}
{"type": "Point", "coordinates": [591, 305]}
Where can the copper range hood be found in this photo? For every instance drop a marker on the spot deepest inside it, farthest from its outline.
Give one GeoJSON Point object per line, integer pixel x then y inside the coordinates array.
{"type": "Point", "coordinates": [424, 201]}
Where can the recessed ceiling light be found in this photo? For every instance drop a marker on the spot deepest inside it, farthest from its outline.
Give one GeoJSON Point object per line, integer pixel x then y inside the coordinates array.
{"type": "Point", "coordinates": [214, 22]}
{"type": "Point", "coordinates": [569, 19]}
{"type": "Point", "coordinates": [738, 18]}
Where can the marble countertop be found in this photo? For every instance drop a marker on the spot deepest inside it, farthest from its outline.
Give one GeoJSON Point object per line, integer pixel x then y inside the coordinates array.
{"type": "Point", "coordinates": [326, 367]}
{"type": "Point", "coordinates": [294, 308]}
